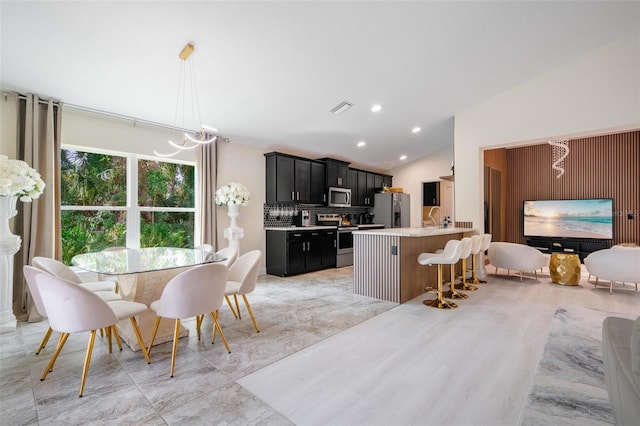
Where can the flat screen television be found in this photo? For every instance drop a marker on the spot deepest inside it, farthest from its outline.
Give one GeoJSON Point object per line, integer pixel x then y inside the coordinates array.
{"type": "Point", "coordinates": [586, 218]}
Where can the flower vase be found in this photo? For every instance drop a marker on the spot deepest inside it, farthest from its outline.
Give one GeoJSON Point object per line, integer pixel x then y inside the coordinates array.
{"type": "Point", "coordinates": [233, 233]}
{"type": "Point", "coordinates": [9, 246]}
{"type": "Point", "coordinates": [233, 211]}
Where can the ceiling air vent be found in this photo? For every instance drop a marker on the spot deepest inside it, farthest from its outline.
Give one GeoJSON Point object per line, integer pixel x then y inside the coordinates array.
{"type": "Point", "coordinates": [341, 107]}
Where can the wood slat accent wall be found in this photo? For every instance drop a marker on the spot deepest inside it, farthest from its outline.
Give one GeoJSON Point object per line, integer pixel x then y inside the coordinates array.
{"type": "Point", "coordinates": [597, 167]}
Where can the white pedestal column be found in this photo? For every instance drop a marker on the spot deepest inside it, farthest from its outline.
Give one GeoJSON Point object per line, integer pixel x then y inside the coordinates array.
{"type": "Point", "coordinates": [233, 233]}
{"type": "Point", "coordinates": [9, 246]}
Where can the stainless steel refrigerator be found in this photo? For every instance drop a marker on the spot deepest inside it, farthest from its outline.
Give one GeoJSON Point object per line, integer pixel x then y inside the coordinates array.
{"type": "Point", "coordinates": [392, 209]}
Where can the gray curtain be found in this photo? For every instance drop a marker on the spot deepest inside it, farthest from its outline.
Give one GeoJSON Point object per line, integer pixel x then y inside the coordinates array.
{"type": "Point", "coordinates": [207, 165]}
{"type": "Point", "coordinates": [38, 223]}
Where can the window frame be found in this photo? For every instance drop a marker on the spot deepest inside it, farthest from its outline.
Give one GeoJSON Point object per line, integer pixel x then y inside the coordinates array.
{"type": "Point", "coordinates": [132, 208]}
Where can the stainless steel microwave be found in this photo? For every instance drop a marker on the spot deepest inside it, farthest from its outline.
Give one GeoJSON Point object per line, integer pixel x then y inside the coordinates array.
{"type": "Point", "coordinates": [339, 197]}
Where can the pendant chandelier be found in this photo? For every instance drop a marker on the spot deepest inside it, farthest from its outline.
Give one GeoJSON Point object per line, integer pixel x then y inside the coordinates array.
{"type": "Point", "coordinates": [560, 152]}
{"type": "Point", "coordinates": [187, 104]}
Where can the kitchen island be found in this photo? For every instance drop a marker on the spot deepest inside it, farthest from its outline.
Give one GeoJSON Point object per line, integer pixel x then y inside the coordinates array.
{"type": "Point", "coordinates": [385, 261]}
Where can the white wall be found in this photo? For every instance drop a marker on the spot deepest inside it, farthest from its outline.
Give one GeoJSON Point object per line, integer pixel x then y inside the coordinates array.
{"type": "Point", "coordinates": [8, 128]}
{"type": "Point", "coordinates": [595, 94]}
{"type": "Point", "coordinates": [241, 163]}
{"type": "Point", "coordinates": [410, 177]}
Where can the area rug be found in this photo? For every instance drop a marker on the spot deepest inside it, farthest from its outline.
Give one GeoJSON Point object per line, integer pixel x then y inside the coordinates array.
{"type": "Point", "coordinates": [569, 386]}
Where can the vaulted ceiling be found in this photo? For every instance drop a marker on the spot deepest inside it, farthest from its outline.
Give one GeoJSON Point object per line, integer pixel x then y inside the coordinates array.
{"type": "Point", "coordinates": [269, 72]}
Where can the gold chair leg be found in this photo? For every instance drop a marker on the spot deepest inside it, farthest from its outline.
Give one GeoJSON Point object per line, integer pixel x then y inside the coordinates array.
{"type": "Point", "coordinates": [439, 302]}
{"type": "Point", "coordinates": [153, 335]}
{"type": "Point", "coordinates": [253, 318]}
{"type": "Point", "coordinates": [176, 336]}
{"type": "Point", "coordinates": [108, 333]}
{"type": "Point", "coordinates": [114, 331]}
{"type": "Point", "coordinates": [61, 341]}
{"type": "Point", "coordinates": [199, 319]}
{"type": "Point", "coordinates": [136, 330]}
{"type": "Point", "coordinates": [87, 361]}
{"type": "Point", "coordinates": [452, 293]}
{"type": "Point", "coordinates": [235, 298]}
{"type": "Point", "coordinates": [45, 339]}
{"type": "Point", "coordinates": [233, 311]}
{"type": "Point", "coordinates": [216, 326]}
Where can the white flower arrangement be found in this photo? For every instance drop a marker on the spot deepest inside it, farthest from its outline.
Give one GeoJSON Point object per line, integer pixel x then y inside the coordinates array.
{"type": "Point", "coordinates": [20, 180]}
{"type": "Point", "coordinates": [232, 193]}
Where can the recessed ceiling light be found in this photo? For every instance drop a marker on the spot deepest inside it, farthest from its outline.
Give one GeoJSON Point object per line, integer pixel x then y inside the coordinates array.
{"type": "Point", "coordinates": [403, 157]}
{"type": "Point", "coordinates": [416, 130]}
{"type": "Point", "coordinates": [361, 144]}
{"type": "Point", "coordinates": [341, 107]}
{"type": "Point", "coordinates": [376, 108]}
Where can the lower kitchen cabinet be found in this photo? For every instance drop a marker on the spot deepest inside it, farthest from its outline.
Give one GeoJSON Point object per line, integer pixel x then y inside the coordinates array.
{"type": "Point", "coordinates": [297, 252]}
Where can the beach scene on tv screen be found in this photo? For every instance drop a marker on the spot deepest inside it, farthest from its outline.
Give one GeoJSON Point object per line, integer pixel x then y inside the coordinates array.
{"type": "Point", "coordinates": [569, 218]}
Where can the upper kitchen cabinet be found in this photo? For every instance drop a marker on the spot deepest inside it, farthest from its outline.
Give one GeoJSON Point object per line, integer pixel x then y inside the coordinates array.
{"type": "Point", "coordinates": [337, 172]}
{"type": "Point", "coordinates": [364, 184]}
{"type": "Point", "coordinates": [292, 179]}
{"type": "Point", "coordinates": [317, 189]}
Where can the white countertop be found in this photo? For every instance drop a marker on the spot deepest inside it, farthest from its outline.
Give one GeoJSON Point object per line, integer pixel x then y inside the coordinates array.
{"type": "Point", "coordinates": [413, 232]}
{"type": "Point", "coordinates": [299, 228]}
{"type": "Point", "coordinates": [316, 228]}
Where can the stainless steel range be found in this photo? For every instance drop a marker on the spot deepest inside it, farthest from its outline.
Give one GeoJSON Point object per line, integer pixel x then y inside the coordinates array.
{"type": "Point", "coordinates": [344, 256]}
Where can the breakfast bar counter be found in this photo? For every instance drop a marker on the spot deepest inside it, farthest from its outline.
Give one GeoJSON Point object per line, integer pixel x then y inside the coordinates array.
{"type": "Point", "coordinates": [385, 261]}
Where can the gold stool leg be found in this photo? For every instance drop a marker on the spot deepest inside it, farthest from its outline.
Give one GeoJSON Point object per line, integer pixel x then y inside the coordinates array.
{"type": "Point", "coordinates": [475, 279]}
{"type": "Point", "coordinates": [216, 326]}
{"type": "Point", "coordinates": [439, 302]}
{"type": "Point", "coordinates": [462, 285]}
{"type": "Point", "coordinates": [452, 293]}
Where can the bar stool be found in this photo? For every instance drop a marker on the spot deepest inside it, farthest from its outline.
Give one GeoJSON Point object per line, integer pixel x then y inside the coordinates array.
{"type": "Point", "coordinates": [476, 247]}
{"type": "Point", "coordinates": [465, 249]}
{"type": "Point", "coordinates": [450, 256]}
{"type": "Point", "coordinates": [466, 252]}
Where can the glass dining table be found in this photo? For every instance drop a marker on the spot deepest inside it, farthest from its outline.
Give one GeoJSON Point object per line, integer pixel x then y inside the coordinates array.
{"type": "Point", "coordinates": [142, 275]}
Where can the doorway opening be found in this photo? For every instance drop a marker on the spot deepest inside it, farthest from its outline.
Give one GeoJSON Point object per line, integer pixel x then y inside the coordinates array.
{"type": "Point", "coordinates": [437, 202]}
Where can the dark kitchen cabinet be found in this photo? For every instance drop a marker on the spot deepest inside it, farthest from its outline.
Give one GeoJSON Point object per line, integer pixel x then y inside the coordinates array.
{"type": "Point", "coordinates": [387, 181]}
{"type": "Point", "coordinates": [337, 172]}
{"type": "Point", "coordinates": [292, 179]}
{"type": "Point", "coordinates": [366, 187]}
{"type": "Point", "coordinates": [329, 246]}
{"type": "Point", "coordinates": [317, 187]}
{"type": "Point", "coordinates": [297, 252]}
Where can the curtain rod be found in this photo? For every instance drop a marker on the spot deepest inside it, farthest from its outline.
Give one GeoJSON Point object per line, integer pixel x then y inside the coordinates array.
{"type": "Point", "coordinates": [100, 112]}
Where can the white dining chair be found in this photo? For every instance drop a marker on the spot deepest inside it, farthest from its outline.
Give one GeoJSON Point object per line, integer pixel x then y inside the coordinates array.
{"type": "Point", "coordinates": [243, 276]}
{"type": "Point", "coordinates": [60, 270]}
{"type": "Point", "coordinates": [192, 293]}
{"type": "Point", "coordinates": [230, 254]}
{"type": "Point", "coordinates": [71, 308]}
{"type": "Point", "coordinates": [30, 274]}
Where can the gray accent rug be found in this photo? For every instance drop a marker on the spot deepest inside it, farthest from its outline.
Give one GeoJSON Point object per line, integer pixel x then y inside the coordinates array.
{"type": "Point", "coordinates": [569, 386]}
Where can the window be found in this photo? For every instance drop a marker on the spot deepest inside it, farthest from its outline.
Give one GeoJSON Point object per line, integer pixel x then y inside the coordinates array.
{"type": "Point", "coordinates": [120, 199]}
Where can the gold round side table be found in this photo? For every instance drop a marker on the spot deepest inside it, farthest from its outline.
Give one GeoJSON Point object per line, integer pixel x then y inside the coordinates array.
{"type": "Point", "coordinates": [565, 268]}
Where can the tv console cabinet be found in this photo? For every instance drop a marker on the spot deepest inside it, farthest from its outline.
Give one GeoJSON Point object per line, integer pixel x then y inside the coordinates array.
{"type": "Point", "coordinates": [581, 247]}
